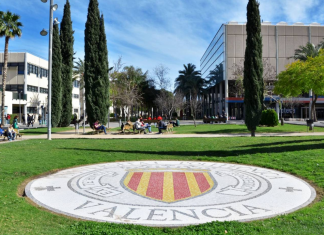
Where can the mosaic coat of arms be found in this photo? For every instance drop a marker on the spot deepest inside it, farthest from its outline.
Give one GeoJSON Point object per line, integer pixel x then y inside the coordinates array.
{"type": "Point", "coordinates": [170, 193]}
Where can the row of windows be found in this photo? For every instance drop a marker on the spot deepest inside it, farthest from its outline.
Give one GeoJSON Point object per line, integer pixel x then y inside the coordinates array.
{"type": "Point", "coordinates": [21, 67]}
{"type": "Point", "coordinates": [32, 88]}
{"type": "Point", "coordinates": [18, 88]}
{"type": "Point", "coordinates": [43, 90]}
{"type": "Point", "coordinates": [37, 70]}
{"type": "Point", "coordinates": [75, 96]}
{"type": "Point", "coordinates": [35, 89]}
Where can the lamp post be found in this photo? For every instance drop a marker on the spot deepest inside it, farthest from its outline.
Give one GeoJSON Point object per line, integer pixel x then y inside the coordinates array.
{"type": "Point", "coordinates": [44, 33]}
{"type": "Point", "coordinates": [19, 106]}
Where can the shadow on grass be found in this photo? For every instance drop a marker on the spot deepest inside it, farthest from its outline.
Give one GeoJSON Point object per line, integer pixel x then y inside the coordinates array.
{"type": "Point", "coordinates": [283, 143]}
{"type": "Point", "coordinates": [212, 153]}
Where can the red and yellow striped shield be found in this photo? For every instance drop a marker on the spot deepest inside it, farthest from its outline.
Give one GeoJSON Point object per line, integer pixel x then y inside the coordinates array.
{"type": "Point", "coordinates": [169, 185]}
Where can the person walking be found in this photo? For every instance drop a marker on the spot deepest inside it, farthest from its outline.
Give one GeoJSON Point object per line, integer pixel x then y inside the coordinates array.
{"type": "Point", "coordinates": [40, 119]}
{"type": "Point", "coordinates": [15, 122]}
{"type": "Point", "coordinates": [28, 120]}
{"type": "Point", "coordinates": [8, 118]}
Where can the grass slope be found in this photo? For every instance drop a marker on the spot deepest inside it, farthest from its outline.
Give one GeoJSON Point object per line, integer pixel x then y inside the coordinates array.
{"type": "Point", "coordinates": [303, 156]}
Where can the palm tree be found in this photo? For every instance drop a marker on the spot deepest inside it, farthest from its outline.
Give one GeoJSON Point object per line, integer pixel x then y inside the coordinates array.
{"type": "Point", "coordinates": [78, 71]}
{"type": "Point", "coordinates": [189, 73]}
{"type": "Point", "coordinates": [9, 28]}
{"type": "Point", "coordinates": [189, 82]}
{"type": "Point", "coordinates": [310, 50]}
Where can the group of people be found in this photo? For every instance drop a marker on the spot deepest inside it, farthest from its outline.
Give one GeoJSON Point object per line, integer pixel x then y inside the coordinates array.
{"type": "Point", "coordinates": [217, 116]}
{"type": "Point", "coordinates": [10, 133]}
{"type": "Point", "coordinates": [141, 125]}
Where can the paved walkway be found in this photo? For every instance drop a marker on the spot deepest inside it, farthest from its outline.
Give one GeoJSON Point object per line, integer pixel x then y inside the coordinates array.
{"type": "Point", "coordinates": [72, 135]}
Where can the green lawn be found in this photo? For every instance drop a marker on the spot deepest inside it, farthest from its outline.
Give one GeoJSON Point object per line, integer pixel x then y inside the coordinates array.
{"type": "Point", "coordinates": [43, 130]}
{"type": "Point", "coordinates": [238, 129]}
{"type": "Point", "coordinates": [233, 129]}
{"type": "Point", "coordinates": [303, 156]}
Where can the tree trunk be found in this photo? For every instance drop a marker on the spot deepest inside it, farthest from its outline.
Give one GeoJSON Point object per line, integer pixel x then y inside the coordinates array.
{"type": "Point", "coordinates": [253, 133]}
{"type": "Point", "coordinates": [194, 119]}
{"type": "Point", "coordinates": [313, 108]}
{"type": "Point", "coordinates": [4, 79]}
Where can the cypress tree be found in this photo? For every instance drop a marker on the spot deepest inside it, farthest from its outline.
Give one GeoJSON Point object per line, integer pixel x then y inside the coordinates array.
{"type": "Point", "coordinates": [67, 40]}
{"type": "Point", "coordinates": [253, 68]}
{"type": "Point", "coordinates": [103, 70]}
{"type": "Point", "coordinates": [92, 63]}
{"type": "Point", "coordinates": [56, 78]}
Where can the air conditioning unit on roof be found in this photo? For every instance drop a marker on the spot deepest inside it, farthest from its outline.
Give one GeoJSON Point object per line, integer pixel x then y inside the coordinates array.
{"type": "Point", "coordinates": [282, 23]}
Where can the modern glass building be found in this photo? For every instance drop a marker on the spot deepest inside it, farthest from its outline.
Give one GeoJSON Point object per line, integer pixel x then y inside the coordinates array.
{"type": "Point", "coordinates": [225, 54]}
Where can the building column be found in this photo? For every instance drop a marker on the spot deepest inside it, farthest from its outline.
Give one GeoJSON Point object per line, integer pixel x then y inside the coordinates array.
{"type": "Point", "coordinates": [221, 97]}
{"type": "Point", "coordinates": [216, 99]}
{"type": "Point", "coordinates": [225, 97]}
{"type": "Point", "coordinates": [213, 101]}
{"type": "Point", "coordinates": [277, 109]}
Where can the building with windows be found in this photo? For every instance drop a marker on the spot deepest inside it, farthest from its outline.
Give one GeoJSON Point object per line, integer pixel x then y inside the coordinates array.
{"type": "Point", "coordinates": [224, 57]}
{"type": "Point", "coordinates": [27, 85]}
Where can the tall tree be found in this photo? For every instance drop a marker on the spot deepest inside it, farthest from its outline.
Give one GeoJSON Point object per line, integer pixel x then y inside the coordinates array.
{"type": "Point", "coordinates": [102, 90]}
{"type": "Point", "coordinates": [67, 40]}
{"type": "Point", "coordinates": [253, 69]}
{"type": "Point", "coordinates": [56, 78]}
{"type": "Point", "coordinates": [10, 27]}
{"type": "Point", "coordinates": [91, 61]}
{"type": "Point", "coordinates": [302, 76]}
{"type": "Point", "coordinates": [187, 80]}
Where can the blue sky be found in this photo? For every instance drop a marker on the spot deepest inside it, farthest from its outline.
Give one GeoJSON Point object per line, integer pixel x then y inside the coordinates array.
{"type": "Point", "coordinates": [151, 32]}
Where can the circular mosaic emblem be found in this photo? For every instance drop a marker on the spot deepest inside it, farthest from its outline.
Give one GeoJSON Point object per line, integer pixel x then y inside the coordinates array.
{"type": "Point", "coordinates": [170, 193]}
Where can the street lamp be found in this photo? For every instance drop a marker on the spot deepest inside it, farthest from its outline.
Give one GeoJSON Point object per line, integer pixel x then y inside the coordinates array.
{"type": "Point", "coordinates": [53, 7]}
{"type": "Point", "coordinates": [19, 106]}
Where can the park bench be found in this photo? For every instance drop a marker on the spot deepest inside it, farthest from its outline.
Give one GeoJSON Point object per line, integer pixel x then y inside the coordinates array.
{"type": "Point", "coordinates": [17, 133]}
{"type": "Point", "coordinates": [214, 120]}
{"type": "Point", "coordinates": [97, 132]}
{"type": "Point", "coordinates": [138, 131]}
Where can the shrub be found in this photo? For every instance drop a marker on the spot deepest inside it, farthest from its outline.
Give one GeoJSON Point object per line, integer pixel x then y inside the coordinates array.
{"type": "Point", "coordinates": [269, 117]}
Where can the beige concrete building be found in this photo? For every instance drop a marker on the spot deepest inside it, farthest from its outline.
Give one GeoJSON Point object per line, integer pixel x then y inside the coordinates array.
{"type": "Point", "coordinates": [226, 53]}
{"type": "Point", "coordinates": [27, 85]}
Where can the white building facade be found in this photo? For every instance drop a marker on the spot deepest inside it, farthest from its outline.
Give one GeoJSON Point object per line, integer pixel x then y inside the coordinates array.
{"type": "Point", "coordinates": [27, 86]}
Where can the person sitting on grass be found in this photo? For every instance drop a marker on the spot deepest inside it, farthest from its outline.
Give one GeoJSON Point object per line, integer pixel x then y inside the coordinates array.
{"type": "Point", "coordinates": [99, 127]}
{"type": "Point", "coordinates": [161, 126]}
{"type": "Point", "coordinates": [11, 133]}
{"type": "Point", "coordinates": [139, 125]}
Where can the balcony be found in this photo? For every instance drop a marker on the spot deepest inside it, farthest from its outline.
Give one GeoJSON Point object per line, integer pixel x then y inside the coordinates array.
{"type": "Point", "coordinates": [15, 96]}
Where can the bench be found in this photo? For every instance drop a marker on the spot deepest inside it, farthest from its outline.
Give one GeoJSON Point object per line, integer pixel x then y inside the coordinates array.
{"type": "Point", "coordinates": [5, 136]}
{"type": "Point", "coordinates": [212, 120]}
{"type": "Point", "coordinates": [95, 131]}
